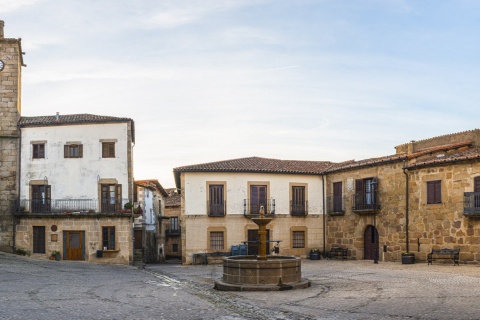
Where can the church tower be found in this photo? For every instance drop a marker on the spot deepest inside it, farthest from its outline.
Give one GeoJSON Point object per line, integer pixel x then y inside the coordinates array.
{"type": "Point", "coordinates": [11, 62]}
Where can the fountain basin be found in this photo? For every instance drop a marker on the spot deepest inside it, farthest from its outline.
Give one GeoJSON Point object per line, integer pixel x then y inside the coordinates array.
{"type": "Point", "coordinates": [246, 273]}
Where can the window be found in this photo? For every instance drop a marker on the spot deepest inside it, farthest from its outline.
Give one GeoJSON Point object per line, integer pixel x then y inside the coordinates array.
{"type": "Point", "coordinates": [111, 197]}
{"type": "Point", "coordinates": [108, 234]}
{"type": "Point", "coordinates": [73, 151]}
{"type": "Point", "coordinates": [38, 150]}
{"type": "Point", "coordinates": [40, 202]}
{"type": "Point", "coordinates": [38, 239]}
{"type": "Point", "coordinates": [216, 240]}
{"type": "Point", "coordinates": [258, 199]}
{"type": "Point", "coordinates": [216, 203]}
{"type": "Point", "coordinates": [298, 239]}
{"type": "Point", "coordinates": [298, 202]}
{"type": "Point", "coordinates": [364, 194]}
{"type": "Point", "coordinates": [174, 247]}
{"type": "Point", "coordinates": [337, 197]}
{"type": "Point", "coordinates": [174, 224]}
{"type": "Point", "coordinates": [108, 149]}
{"type": "Point", "coordinates": [434, 192]}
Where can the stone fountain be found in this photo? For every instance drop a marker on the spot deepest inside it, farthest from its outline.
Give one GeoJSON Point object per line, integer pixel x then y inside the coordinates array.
{"type": "Point", "coordinates": [262, 272]}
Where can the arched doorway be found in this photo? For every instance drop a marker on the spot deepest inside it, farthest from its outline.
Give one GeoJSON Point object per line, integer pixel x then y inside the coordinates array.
{"type": "Point", "coordinates": [369, 245]}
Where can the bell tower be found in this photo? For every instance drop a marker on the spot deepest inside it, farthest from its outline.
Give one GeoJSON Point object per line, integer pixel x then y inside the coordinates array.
{"type": "Point", "coordinates": [11, 62]}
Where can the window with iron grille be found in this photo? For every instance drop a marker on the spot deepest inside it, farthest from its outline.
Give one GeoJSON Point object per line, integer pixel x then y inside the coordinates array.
{"type": "Point", "coordinates": [38, 150]}
{"type": "Point", "coordinates": [108, 234]}
{"type": "Point", "coordinates": [298, 239]}
{"type": "Point", "coordinates": [73, 151]}
{"type": "Point", "coordinates": [108, 149]}
{"type": "Point", "coordinates": [216, 240]}
{"type": "Point", "coordinates": [174, 247]}
{"type": "Point", "coordinates": [434, 192]}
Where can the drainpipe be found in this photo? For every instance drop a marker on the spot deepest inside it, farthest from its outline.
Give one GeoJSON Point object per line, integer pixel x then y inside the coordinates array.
{"type": "Point", "coordinates": [406, 204]}
{"type": "Point", "coordinates": [324, 216]}
{"type": "Point", "coordinates": [19, 158]}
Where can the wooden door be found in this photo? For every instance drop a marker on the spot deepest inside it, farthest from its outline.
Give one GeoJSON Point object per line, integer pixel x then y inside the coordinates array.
{"type": "Point", "coordinates": [369, 243]}
{"type": "Point", "coordinates": [138, 234]}
{"type": "Point", "coordinates": [252, 242]}
{"type": "Point", "coordinates": [74, 245]}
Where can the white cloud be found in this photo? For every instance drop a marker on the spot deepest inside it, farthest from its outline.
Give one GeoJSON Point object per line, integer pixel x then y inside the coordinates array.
{"type": "Point", "coordinates": [14, 5]}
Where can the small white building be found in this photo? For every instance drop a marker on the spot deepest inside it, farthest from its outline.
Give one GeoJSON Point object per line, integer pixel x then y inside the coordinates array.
{"type": "Point", "coordinates": [76, 177]}
{"type": "Point", "coordinates": [219, 198]}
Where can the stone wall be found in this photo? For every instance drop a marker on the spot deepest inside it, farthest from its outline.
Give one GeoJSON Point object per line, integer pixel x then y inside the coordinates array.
{"type": "Point", "coordinates": [10, 106]}
{"type": "Point", "coordinates": [90, 225]}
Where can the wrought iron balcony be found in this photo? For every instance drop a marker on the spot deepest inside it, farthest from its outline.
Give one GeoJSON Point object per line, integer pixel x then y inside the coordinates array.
{"type": "Point", "coordinates": [67, 206]}
{"type": "Point", "coordinates": [471, 204]}
{"type": "Point", "coordinates": [364, 204]}
{"type": "Point", "coordinates": [299, 209]}
{"type": "Point", "coordinates": [172, 230]}
{"type": "Point", "coordinates": [336, 205]}
{"type": "Point", "coordinates": [216, 209]}
{"type": "Point", "coordinates": [253, 207]}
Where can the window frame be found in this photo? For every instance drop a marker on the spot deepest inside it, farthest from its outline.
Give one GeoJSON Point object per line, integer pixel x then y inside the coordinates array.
{"type": "Point", "coordinates": [108, 235]}
{"type": "Point", "coordinates": [38, 150]}
{"type": "Point", "coordinates": [434, 192]}
{"type": "Point", "coordinates": [216, 197]}
{"type": "Point", "coordinates": [108, 149]}
{"type": "Point", "coordinates": [295, 202]}
{"type": "Point", "coordinates": [76, 148]}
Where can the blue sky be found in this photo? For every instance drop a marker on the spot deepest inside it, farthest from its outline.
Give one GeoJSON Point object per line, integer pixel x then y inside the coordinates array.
{"type": "Point", "coordinates": [213, 80]}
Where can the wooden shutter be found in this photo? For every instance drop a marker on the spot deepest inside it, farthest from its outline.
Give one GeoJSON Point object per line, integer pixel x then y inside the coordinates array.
{"type": "Point", "coordinates": [359, 193]}
{"type": "Point", "coordinates": [337, 197]}
{"type": "Point", "coordinates": [434, 192]}
{"type": "Point", "coordinates": [118, 196]}
{"type": "Point", "coordinates": [65, 151]}
{"type": "Point", "coordinates": [476, 187]}
{"type": "Point", "coordinates": [80, 150]}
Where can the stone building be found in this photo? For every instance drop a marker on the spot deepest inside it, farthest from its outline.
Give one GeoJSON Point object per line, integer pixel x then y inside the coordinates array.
{"type": "Point", "coordinates": [424, 197]}
{"type": "Point", "coordinates": [11, 63]}
{"type": "Point", "coordinates": [149, 206]}
{"type": "Point", "coordinates": [219, 198]}
{"type": "Point", "coordinates": [76, 175]}
{"type": "Point", "coordinates": [173, 231]}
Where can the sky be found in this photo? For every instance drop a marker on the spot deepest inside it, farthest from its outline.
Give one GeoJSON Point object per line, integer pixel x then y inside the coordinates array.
{"type": "Point", "coordinates": [212, 80]}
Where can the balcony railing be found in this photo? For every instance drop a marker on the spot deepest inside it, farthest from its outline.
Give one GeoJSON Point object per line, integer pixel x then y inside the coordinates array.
{"type": "Point", "coordinates": [216, 209]}
{"type": "Point", "coordinates": [253, 207]}
{"type": "Point", "coordinates": [173, 230]}
{"type": "Point", "coordinates": [363, 204]}
{"type": "Point", "coordinates": [471, 204]}
{"type": "Point", "coordinates": [336, 205]}
{"type": "Point", "coordinates": [299, 209]}
{"type": "Point", "coordinates": [58, 206]}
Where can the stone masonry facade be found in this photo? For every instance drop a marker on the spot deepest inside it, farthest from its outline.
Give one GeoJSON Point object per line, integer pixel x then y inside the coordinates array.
{"type": "Point", "coordinates": [10, 107]}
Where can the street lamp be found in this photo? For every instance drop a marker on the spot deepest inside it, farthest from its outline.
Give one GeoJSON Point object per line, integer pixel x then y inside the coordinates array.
{"type": "Point", "coordinates": [375, 233]}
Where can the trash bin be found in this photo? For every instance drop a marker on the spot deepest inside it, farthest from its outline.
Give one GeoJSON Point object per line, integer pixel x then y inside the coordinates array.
{"type": "Point", "coordinates": [235, 251]}
{"type": "Point", "coordinates": [99, 253]}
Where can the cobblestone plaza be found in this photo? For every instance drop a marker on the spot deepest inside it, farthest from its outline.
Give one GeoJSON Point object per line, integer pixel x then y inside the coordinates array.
{"type": "Point", "coordinates": [44, 289]}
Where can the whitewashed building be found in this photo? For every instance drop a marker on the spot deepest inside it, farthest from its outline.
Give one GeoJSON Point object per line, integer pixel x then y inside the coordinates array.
{"type": "Point", "coordinates": [219, 198]}
{"type": "Point", "coordinates": [75, 181]}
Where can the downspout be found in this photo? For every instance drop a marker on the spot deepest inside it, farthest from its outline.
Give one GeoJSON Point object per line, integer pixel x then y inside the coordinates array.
{"type": "Point", "coordinates": [324, 216]}
{"type": "Point", "coordinates": [406, 205]}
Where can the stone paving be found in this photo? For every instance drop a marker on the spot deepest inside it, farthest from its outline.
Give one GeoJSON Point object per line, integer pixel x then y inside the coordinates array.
{"type": "Point", "coordinates": [44, 289]}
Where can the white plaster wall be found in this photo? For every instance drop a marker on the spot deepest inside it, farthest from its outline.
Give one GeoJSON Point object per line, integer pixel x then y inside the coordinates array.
{"type": "Point", "coordinates": [149, 212]}
{"type": "Point", "coordinates": [195, 190]}
{"type": "Point", "coordinates": [74, 178]}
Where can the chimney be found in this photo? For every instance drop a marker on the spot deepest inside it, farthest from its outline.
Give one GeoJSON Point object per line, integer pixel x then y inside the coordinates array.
{"type": "Point", "coordinates": [1, 29]}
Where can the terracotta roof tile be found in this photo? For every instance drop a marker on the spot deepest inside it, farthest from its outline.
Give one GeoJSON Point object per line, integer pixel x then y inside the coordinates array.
{"type": "Point", "coordinates": [470, 154]}
{"type": "Point", "coordinates": [259, 165]}
{"type": "Point", "coordinates": [366, 162]}
{"type": "Point", "coordinates": [68, 119]}
{"type": "Point", "coordinates": [173, 199]}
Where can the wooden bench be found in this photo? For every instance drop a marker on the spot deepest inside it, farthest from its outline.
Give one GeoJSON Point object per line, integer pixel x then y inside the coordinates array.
{"type": "Point", "coordinates": [337, 252]}
{"type": "Point", "coordinates": [444, 254]}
